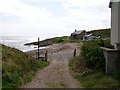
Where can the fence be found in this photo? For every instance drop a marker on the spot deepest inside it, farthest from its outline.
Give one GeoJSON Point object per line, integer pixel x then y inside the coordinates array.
{"type": "Point", "coordinates": [45, 57]}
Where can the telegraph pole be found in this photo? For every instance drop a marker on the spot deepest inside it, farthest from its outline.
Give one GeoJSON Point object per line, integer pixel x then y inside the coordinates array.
{"type": "Point", "coordinates": [38, 48]}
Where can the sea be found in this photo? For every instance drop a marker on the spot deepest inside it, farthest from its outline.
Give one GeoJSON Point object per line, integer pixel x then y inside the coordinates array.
{"type": "Point", "coordinates": [19, 41]}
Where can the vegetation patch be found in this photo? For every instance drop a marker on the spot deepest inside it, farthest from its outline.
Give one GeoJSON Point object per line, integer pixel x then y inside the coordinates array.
{"type": "Point", "coordinates": [98, 80]}
{"type": "Point", "coordinates": [92, 78]}
{"type": "Point", "coordinates": [50, 41]}
{"type": "Point", "coordinates": [104, 33]}
{"type": "Point", "coordinates": [18, 67]}
{"type": "Point", "coordinates": [89, 66]}
{"type": "Point", "coordinates": [61, 39]}
{"type": "Point", "coordinates": [93, 55]}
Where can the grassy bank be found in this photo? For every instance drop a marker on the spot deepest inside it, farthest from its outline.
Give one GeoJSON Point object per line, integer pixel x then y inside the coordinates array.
{"type": "Point", "coordinates": [92, 78]}
{"type": "Point", "coordinates": [89, 67]}
{"type": "Point", "coordinates": [54, 40]}
{"type": "Point", "coordinates": [18, 67]}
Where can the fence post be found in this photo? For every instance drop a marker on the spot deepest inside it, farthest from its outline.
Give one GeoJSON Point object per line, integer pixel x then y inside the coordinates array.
{"type": "Point", "coordinates": [38, 48]}
{"type": "Point", "coordinates": [46, 55]}
{"type": "Point", "coordinates": [74, 52]}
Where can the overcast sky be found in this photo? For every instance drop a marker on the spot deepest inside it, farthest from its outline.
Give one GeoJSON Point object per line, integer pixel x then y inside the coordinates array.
{"type": "Point", "coordinates": [49, 18]}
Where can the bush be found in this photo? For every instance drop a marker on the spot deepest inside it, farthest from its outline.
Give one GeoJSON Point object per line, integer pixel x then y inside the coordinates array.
{"type": "Point", "coordinates": [104, 43]}
{"type": "Point", "coordinates": [87, 67]}
{"type": "Point", "coordinates": [92, 53]}
{"type": "Point", "coordinates": [107, 44]}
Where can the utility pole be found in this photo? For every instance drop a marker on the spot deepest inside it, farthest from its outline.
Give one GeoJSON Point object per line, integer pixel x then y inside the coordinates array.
{"type": "Point", "coordinates": [38, 48]}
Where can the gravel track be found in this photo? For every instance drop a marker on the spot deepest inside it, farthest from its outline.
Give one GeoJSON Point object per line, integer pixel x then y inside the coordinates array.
{"type": "Point", "coordinates": [57, 74]}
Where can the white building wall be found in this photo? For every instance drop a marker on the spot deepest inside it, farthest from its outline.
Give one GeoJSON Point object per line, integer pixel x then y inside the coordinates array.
{"type": "Point", "coordinates": [119, 23]}
{"type": "Point", "coordinates": [114, 23]}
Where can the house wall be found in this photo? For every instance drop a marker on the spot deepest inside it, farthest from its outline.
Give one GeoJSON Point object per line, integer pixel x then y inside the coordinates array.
{"type": "Point", "coordinates": [114, 23]}
{"type": "Point", "coordinates": [119, 23]}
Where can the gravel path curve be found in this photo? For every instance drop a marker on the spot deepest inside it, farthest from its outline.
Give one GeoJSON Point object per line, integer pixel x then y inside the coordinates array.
{"type": "Point", "coordinates": [57, 74]}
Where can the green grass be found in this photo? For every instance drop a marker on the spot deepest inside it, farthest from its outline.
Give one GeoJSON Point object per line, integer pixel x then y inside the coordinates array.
{"type": "Point", "coordinates": [18, 67]}
{"type": "Point", "coordinates": [90, 78]}
{"type": "Point", "coordinates": [61, 39]}
{"type": "Point", "coordinates": [65, 39]}
{"type": "Point", "coordinates": [98, 80]}
{"type": "Point", "coordinates": [104, 33]}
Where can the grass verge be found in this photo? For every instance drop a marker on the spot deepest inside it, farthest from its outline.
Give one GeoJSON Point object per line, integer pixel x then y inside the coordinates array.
{"type": "Point", "coordinates": [92, 78]}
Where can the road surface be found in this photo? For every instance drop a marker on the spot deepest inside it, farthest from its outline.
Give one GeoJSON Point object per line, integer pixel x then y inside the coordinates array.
{"type": "Point", "coordinates": [57, 74]}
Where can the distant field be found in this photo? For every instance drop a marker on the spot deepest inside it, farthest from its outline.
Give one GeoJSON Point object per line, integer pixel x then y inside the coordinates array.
{"type": "Point", "coordinates": [104, 33]}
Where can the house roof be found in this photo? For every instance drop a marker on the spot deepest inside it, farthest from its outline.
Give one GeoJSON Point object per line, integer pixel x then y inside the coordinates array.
{"type": "Point", "coordinates": [111, 1]}
{"type": "Point", "coordinates": [77, 32]}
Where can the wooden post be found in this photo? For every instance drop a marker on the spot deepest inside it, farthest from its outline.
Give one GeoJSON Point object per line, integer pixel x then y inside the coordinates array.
{"type": "Point", "coordinates": [46, 56]}
{"type": "Point", "coordinates": [74, 52]}
{"type": "Point", "coordinates": [38, 48]}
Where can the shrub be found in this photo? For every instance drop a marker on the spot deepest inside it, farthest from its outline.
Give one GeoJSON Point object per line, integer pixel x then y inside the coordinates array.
{"type": "Point", "coordinates": [107, 43]}
{"type": "Point", "coordinates": [104, 43]}
{"type": "Point", "coordinates": [93, 55]}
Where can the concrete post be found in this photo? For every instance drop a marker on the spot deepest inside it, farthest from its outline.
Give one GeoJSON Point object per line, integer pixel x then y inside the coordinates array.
{"type": "Point", "coordinates": [112, 60]}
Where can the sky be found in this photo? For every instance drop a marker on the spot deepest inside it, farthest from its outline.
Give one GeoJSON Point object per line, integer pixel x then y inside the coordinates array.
{"type": "Point", "coordinates": [50, 18]}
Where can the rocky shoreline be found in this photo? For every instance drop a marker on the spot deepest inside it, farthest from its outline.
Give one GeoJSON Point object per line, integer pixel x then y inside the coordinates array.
{"type": "Point", "coordinates": [41, 43]}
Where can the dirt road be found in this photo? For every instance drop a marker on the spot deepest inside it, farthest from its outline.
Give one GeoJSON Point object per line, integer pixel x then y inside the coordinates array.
{"type": "Point", "coordinates": [57, 74]}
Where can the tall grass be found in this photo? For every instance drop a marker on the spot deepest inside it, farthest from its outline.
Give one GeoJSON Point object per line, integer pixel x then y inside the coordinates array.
{"type": "Point", "coordinates": [92, 78]}
{"type": "Point", "coordinates": [18, 67]}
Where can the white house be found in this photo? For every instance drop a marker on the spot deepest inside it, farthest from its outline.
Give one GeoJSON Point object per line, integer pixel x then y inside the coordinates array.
{"type": "Point", "coordinates": [115, 23]}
